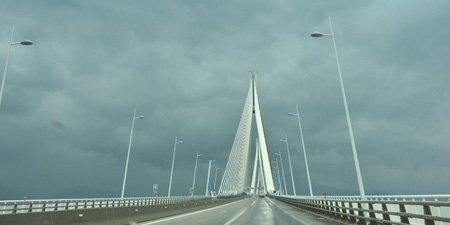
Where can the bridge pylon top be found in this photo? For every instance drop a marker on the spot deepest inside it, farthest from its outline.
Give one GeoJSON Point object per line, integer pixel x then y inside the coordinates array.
{"type": "Point", "coordinates": [250, 77]}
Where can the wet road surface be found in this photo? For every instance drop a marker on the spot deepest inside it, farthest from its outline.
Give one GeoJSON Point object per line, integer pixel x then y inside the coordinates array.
{"type": "Point", "coordinates": [254, 210]}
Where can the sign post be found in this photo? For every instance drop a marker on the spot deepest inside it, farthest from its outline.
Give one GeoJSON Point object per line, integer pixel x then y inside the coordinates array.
{"type": "Point", "coordinates": [155, 190]}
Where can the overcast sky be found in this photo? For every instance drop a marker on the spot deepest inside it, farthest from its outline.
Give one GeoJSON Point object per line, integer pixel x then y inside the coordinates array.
{"type": "Point", "coordinates": [68, 101]}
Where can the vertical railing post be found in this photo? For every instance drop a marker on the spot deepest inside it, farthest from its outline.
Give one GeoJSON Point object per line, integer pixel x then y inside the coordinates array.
{"type": "Point", "coordinates": [385, 215]}
{"type": "Point", "coordinates": [352, 213]}
{"type": "Point", "coordinates": [319, 206]}
{"type": "Point", "coordinates": [427, 211]}
{"type": "Point", "coordinates": [315, 205]}
{"type": "Point", "coordinates": [362, 220]}
{"type": "Point", "coordinates": [327, 208]}
{"type": "Point", "coordinates": [338, 210]}
{"type": "Point", "coordinates": [373, 218]}
{"type": "Point", "coordinates": [332, 209]}
{"type": "Point", "coordinates": [322, 206]}
{"type": "Point", "coordinates": [15, 208]}
{"type": "Point", "coordinates": [403, 219]}
{"type": "Point", "coordinates": [344, 212]}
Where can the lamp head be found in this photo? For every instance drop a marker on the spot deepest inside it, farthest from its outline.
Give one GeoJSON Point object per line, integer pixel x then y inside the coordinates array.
{"type": "Point", "coordinates": [26, 42]}
{"type": "Point", "coordinates": [316, 34]}
{"type": "Point", "coordinates": [290, 114]}
{"type": "Point", "coordinates": [180, 142]}
{"type": "Point", "coordinates": [141, 117]}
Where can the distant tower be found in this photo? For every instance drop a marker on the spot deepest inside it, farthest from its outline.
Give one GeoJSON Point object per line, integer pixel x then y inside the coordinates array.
{"type": "Point", "coordinates": [237, 174]}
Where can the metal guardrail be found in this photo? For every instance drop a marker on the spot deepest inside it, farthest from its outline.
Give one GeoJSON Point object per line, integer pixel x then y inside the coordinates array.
{"type": "Point", "coordinates": [48, 205]}
{"type": "Point", "coordinates": [375, 210]}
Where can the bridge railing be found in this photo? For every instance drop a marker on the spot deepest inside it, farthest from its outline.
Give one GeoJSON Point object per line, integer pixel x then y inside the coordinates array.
{"type": "Point", "coordinates": [47, 205]}
{"type": "Point", "coordinates": [400, 209]}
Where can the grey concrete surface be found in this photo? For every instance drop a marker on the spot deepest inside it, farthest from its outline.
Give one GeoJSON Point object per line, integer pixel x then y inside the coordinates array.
{"type": "Point", "coordinates": [109, 216]}
{"type": "Point", "coordinates": [247, 211]}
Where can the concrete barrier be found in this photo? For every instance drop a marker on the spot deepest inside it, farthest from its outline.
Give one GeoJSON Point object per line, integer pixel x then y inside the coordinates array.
{"type": "Point", "coordinates": [112, 215]}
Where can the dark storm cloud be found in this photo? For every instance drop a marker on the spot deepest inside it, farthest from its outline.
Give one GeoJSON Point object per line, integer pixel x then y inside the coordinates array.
{"type": "Point", "coordinates": [67, 108]}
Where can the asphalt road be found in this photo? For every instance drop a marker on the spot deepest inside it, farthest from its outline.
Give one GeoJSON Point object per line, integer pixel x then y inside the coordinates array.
{"type": "Point", "coordinates": [248, 211]}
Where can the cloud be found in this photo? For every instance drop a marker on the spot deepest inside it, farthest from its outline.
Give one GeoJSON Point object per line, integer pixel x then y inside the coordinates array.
{"type": "Point", "coordinates": [68, 102]}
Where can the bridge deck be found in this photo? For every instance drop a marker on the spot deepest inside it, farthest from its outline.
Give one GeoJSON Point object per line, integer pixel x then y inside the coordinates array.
{"type": "Point", "coordinates": [247, 211]}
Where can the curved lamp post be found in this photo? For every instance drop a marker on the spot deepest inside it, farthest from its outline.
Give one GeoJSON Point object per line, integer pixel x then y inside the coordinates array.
{"type": "Point", "coordinates": [195, 172]}
{"type": "Point", "coordinates": [349, 124]}
{"type": "Point", "coordinates": [173, 162]}
{"type": "Point", "coordinates": [209, 172]}
{"type": "Point", "coordinates": [129, 148]}
{"type": "Point", "coordinates": [290, 165]}
{"type": "Point", "coordinates": [304, 149]}
{"type": "Point", "coordinates": [24, 42]}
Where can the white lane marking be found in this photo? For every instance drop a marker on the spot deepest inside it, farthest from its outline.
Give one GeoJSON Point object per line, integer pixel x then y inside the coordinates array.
{"type": "Point", "coordinates": [253, 203]}
{"type": "Point", "coordinates": [221, 212]}
{"type": "Point", "coordinates": [293, 217]}
{"type": "Point", "coordinates": [268, 213]}
{"type": "Point", "coordinates": [187, 214]}
{"type": "Point", "coordinates": [234, 218]}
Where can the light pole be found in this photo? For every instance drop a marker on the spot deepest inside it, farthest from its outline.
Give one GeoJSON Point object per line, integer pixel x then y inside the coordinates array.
{"type": "Point", "coordinates": [215, 177]}
{"type": "Point", "coordinates": [195, 172]}
{"type": "Point", "coordinates": [304, 149]}
{"type": "Point", "coordinates": [349, 124]}
{"type": "Point", "coordinates": [207, 180]}
{"type": "Point", "coordinates": [282, 170]}
{"type": "Point", "coordinates": [290, 165]}
{"type": "Point", "coordinates": [277, 174]}
{"type": "Point", "coordinates": [24, 42]}
{"type": "Point", "coordinates": [173, 162]}
{"type": "Point", "coordinates": [129, 148]}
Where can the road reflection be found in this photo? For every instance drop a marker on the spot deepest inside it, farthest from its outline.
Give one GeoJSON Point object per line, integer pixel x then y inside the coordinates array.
{"type": "Point", "coordinates": [253, 210]}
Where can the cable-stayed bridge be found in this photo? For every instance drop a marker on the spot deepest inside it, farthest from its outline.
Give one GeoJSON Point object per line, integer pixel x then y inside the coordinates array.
{"type": "Point", "coordinates": [249, 193]}
{"type": "Point", "coordinates": [237, 176]}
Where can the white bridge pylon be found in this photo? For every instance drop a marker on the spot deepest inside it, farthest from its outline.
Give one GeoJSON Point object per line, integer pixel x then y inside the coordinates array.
{"type": "Point", "coordinates": [236, 178]}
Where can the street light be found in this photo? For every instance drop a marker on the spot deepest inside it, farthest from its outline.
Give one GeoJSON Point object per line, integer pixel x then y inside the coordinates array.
{"type": "Point", "coordinates": [207, 180]}
{"type": "Point", "coordinates": [129, 148]}
{"type": "Point", "coordinates": [304, 149]}
{"type": "Point", "coordinates": [282, 170]}
{"type": "Point", "coordinates": [24, 42]}
{"type": "Point", "coordinates": [349, 124]}
{"type": "Point", "coordinates": [195, 172]}
{"type": "Point", "coordinates": [277, 175]}
{"type": "Point", "coordinates": [173, 161]}
{"type": "Point", "coordinates": [290, 165]}
{"type": "Point", "coordinates": [215, 177]}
